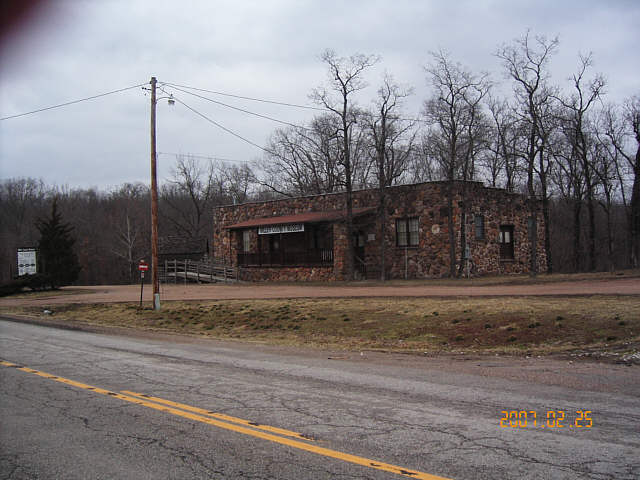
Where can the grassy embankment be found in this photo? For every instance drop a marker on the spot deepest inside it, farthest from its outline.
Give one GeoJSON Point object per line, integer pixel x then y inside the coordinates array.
{"type": "Point", "coordinates": [489, 324]}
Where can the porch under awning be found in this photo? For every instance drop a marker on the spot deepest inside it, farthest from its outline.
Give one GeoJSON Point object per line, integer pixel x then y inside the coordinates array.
{"type": "Point", "coordinates": [308, 217]}
{"type": "Point", "coordinates": [300, 240]}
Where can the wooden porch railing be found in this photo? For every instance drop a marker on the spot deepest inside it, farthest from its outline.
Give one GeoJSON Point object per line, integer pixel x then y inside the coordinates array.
{"type": "Point", "coordinates": [321, 257]}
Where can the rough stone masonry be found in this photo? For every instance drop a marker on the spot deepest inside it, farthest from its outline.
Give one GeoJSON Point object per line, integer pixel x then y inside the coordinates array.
{"type": "Point", "coordinates": [498, 228]}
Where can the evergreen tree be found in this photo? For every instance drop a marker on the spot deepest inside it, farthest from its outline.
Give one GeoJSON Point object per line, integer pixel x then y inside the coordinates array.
{"type": "Point", "coordinates": [58, 261]}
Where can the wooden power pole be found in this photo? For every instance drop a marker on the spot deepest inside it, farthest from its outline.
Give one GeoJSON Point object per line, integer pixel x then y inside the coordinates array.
{"type": "Point", "coordinates": [154, 202]}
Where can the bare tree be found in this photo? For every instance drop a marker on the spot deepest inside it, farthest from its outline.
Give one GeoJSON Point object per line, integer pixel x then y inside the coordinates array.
{"type": "Point", "coordinates": [391, 143]}
{"type": "Point", "coordinates": [345, 78]}
{"type": "Point", "coordinates": [632, 117]}
{"type": "Point", "coordinates": [22, 201]}
{"type": "Point", "coordinates": [614, 135]}
{"type": "Point", "coordinates": [454, 115]}
{"type": "Point", "coordinates": [363, 165]}
{"type": "Point", "coordinates": [623, 131]}
{"type": "Point", "coordinates": [526, 63]}
{"type": "Point", "coordinates": [604, 167]}
{"type": "Point", "coordinates": [568, 177]}
{"type": "Point", "coordinates": [237, 182]}
{"type": "Point", "coordinates": [304, 161]}
{"type": "Point", "coordinates": [187, 198]}
{"type": "Point", "coordinates": [18, 197]}
{"type": "Point", "coordinates": [576, 109]}
{"type": "Point", "coordinates": [130, 224]}
{"type": "Point", "coordinates": [504, 145]}
{"type": "Point", "coordinates": [422, 165]}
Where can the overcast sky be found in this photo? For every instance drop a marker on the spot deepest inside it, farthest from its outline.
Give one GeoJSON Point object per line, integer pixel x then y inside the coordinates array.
{"type": "Point", "coordinates": [264, 49]}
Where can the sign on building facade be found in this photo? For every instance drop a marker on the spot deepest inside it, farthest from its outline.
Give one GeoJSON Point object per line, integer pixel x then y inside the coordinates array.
{"type": "Point", "coordinates": [271, 229]}
{"type": "Point", "coordinates": [27, 264]}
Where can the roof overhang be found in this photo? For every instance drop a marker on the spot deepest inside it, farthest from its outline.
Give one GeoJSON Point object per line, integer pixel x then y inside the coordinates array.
{"type": "Point", "coordinates": [308, 217]}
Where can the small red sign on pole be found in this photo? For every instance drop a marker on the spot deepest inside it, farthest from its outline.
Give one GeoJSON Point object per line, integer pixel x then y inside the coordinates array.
{"type": "Point", "coordinates": [143, 267]}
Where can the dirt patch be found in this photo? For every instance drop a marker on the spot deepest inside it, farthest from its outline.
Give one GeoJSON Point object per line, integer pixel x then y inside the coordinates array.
{"type": "Point", "coordinates": [521, 325]}
{"type": "Point", "coordinates": [624, 283]}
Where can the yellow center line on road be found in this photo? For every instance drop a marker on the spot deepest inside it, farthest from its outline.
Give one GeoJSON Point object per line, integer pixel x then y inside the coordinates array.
{"type": "Point", "coordinates": [221, 416]}
{"type": "Point", "coordinates": [326, 452]}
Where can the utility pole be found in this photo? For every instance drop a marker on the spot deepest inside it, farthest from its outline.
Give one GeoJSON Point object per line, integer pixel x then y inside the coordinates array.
{"type": "Point", "coordinates": [154, 202]}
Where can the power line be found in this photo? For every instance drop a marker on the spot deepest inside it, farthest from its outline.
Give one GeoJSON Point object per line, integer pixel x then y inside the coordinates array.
{"type": "Point", "coordinates": [205, 157]}
{"type": "Point", "coordinates": [226, 129]}
{"type": "Point", "coordinates": [274, 102]}
{"type": "Point", "coordinates": [221, 126]}
{"type": "Point", "coordinates": [237, 108]}
{"type": "Point", "coordinates": [180, 88]}
{"type": "Point", "coordinates": [73, 102]}
{"type": "Point", "coordinates": [286, 104]}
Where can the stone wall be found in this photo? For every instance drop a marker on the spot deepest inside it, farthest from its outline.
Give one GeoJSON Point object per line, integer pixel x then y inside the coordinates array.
{"type": "Point", "coordinates": [427, 202]}
{"type": "Point", "coordinates": [287, 274]}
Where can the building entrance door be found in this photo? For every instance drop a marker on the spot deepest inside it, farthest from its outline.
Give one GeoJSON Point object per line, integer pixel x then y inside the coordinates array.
{"type": "Point", "coordinates": [358, 252]}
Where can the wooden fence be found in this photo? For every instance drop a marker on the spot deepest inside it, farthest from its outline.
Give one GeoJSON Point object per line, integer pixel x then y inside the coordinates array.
{"type": "Point", "coordinates": [174, 271]}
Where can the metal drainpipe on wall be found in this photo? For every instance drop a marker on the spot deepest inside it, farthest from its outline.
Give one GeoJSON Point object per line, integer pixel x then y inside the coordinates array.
{"type": "Point", "coordinates": [406, 262]}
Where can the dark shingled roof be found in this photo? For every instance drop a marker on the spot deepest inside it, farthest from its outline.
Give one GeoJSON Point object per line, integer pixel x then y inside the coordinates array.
{"type": "Point", "coordinates": [180, 245]}
{"type": "Point", "coordinates": [308, 217]}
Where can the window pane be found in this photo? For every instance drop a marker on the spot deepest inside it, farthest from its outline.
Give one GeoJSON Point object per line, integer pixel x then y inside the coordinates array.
{"type": "Point", "coordinates": [413, 231]}
{"type": "Point", "coordinates": [402, 239]}
{"type": "Point", "coordinates": [479, 224]}
{"type": "Point", "coordinates": [401, 232]}
{"type": "Point", "coordinates": [531, 227]}
{"type": "Point", "coordinates": [246, 241]}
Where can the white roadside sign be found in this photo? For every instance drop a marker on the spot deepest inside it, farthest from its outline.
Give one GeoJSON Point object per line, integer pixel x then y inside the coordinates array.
{"type": "Point", "coordinates": [27, 261]}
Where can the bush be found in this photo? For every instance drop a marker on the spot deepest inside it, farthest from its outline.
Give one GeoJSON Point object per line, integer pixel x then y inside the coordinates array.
{"type": "Point", "coordinates": [38, 281]}
{"type": "Point", "coordinates": [11, 288]}
{"type": "Point", "coordinates": [35, 282]}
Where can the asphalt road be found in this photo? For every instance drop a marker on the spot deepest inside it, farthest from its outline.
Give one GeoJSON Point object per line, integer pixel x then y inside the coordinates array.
{"type": "Point", "coordinates": [79, 405]}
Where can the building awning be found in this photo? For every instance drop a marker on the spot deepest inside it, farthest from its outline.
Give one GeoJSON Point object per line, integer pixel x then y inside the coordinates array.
{"type": "Point", "coordinates": [178, 245]}
{"type": "Point", "coordinates": [308, 217]}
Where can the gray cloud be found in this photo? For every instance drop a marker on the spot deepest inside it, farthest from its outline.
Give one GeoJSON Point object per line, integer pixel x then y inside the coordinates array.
{"type": "Point", "coordinates": [260, 49]}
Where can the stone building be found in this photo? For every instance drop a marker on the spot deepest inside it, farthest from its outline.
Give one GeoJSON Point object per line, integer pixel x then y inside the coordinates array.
{"type": "Point", "coordinates": [304, 238]}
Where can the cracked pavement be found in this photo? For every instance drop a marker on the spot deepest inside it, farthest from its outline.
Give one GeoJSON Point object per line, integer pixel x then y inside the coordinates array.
{"type": "Point", "coordinates": [435, 415]}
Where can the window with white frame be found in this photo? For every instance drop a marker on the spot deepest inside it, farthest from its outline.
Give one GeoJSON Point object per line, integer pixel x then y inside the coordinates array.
{"type": "Point", "coordinates": [407, 232]}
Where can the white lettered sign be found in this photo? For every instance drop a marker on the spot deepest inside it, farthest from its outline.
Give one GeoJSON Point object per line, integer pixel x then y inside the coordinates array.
{"type": "Point", "coordinates": [290, 228]}
{"type": "Point", "coordinates": [26, 261]}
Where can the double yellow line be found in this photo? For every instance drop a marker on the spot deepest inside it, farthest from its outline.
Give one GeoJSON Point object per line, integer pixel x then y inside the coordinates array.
{"type": "Point", "coordinates": [238, 425]}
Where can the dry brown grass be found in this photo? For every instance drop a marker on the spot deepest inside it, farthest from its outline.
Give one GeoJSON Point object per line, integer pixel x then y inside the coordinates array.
{"type": "Point", "coordinates": [496, 324]}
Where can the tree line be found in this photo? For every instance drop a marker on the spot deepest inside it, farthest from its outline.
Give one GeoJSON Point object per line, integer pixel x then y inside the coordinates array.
{"type": "Point", "coordinates": [575, 155]}
{"type": "Point", "coordinates": [112, 229]}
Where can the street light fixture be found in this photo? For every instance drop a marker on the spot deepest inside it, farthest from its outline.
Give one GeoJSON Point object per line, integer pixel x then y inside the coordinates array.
{"type": "Point", "coordinates": [154, 196]}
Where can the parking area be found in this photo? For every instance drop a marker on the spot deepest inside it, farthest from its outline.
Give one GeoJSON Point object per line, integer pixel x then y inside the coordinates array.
{"type": "Point", "coordinates": [131, 293]}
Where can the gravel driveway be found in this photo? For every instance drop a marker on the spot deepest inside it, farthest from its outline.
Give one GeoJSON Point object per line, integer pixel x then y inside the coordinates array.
{"type": "Point", "coordinates": [131, 293]}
